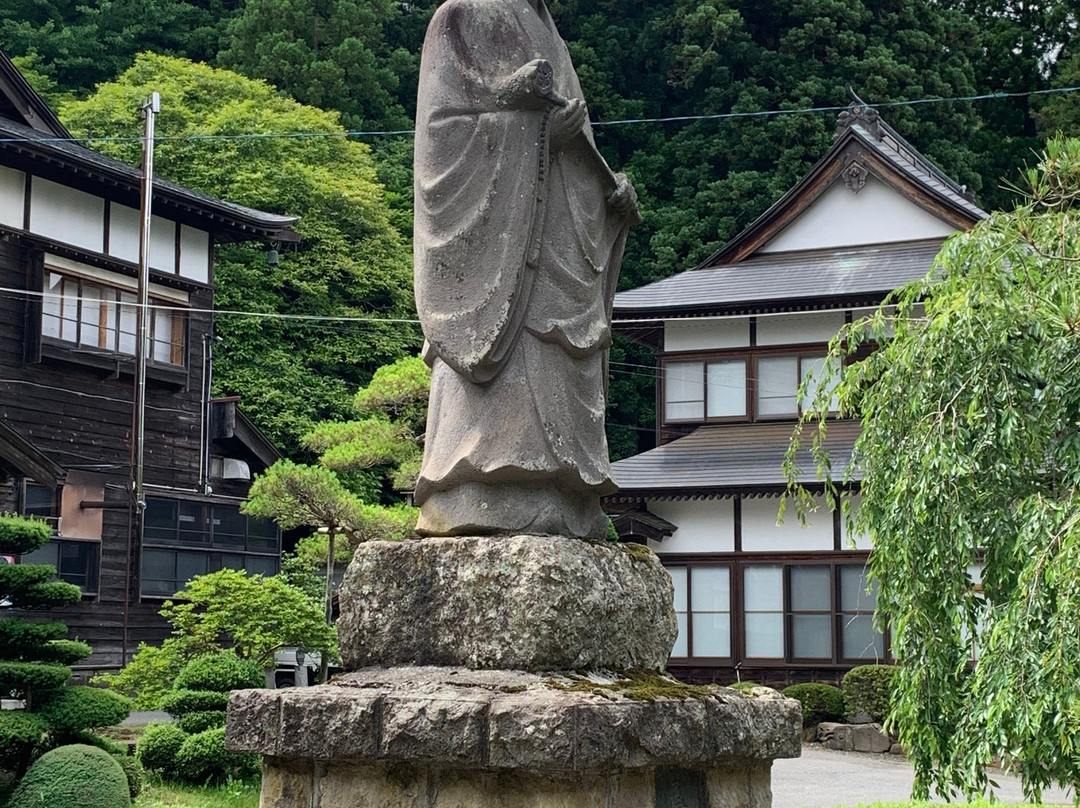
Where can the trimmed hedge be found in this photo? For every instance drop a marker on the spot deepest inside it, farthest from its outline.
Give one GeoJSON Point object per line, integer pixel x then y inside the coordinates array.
{"type": "Point", "coordinates": [157, 747]}
{"type": "Point", "coordinates": [820, 702]}
{"type": "Point", "coordinates": [17, 677]}
{"type": "Point", "coordinates": [81, 707]}
{"type": "Point", "coordinates": [133, 771]}
{"type": "Point", "coordinates": [21, 534]}
{"type": "Point", "coordinates": [198, 722]}
{"type": "Point", "coordinates": [222, 671]}
{"type": "Point", "coordinates": [182, 702]}
{"type": "Point", "coordinates": [868, 691]}
{"type": "Point", "coordinates": [203, 758]}
{"type": "Point", "coordinates": [63, 652]}
{"type": "Point", "coordinates": [76, 776]}
{"type": "Point", "coordinates": [19, 732]}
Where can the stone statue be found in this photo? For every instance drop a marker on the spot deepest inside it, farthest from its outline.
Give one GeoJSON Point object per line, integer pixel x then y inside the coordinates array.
{"type": "Point", "coordinates": [519, 234]}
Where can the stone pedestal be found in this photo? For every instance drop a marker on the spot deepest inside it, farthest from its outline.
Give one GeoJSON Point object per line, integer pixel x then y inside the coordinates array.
{"type": "Point", "coordinates": [428, 737]}
{"type": "Point", "coordinates": [482, 677]}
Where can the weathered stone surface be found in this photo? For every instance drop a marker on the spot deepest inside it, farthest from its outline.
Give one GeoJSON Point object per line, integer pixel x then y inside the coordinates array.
{"type": "Point", "coordinates": [523, 602]}
{"type": "Point", "coordinates": [509, 721]}
{"type": "Point", "coordinates": [854, 737]}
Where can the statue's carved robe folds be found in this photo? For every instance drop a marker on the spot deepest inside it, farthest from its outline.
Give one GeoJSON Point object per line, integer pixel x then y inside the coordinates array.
{"type": "Point", "coordinates": [517, 253]}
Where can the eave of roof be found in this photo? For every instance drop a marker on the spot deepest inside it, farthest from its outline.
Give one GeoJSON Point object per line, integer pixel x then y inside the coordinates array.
{"type": "Point", "coordinates": [27, 459]}
{"type": "Point", "coordinates": [790, 281]}
{"type": "Point", "coordinates": [113, 179]}
{"type": "Point", "coordinates": [728, 460]}
{"type": "Point", "coordinates": [16, 91]}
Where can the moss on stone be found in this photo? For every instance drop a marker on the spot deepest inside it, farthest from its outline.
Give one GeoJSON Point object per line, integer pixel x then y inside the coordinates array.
{"type": "Point", "coordinates": [637, 686]}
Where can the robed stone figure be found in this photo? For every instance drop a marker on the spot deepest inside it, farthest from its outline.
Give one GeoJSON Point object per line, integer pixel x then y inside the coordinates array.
{"type": "Point", "coordinates": [519, 233]}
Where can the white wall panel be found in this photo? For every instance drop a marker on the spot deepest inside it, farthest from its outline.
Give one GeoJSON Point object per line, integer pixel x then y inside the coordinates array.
{"type": "Point", "coordinates": [124, 233]}
{"type": "Point", "coordinates": [761, 533]}
{"type": "Point", "coordinates": [163, 244]}
{"type": "Point", "coordinates": [797, 329]}
{"type": "Point", "coordinates": [706, 335]}
{"type": "Point", "coordinates": [875, 215]}
{"type": "Point", "coordinates": [194, 254]}
{"type": "Point", "coordinates": [66, 215]}
{"type": "Point", "coordinates": [704, 525]}
{"type": "Point", "coordinates": [12, 197]}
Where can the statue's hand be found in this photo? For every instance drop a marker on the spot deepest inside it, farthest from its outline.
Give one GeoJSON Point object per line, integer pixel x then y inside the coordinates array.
{"type": "Point", "coordinates": [567, 121]}
{"type": "Point", "coordinates": [623, 200]}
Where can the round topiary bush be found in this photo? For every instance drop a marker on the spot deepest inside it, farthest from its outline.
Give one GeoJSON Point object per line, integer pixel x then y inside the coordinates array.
{"type": "Point", "coordinates": [221, 672]}
{"type": "Point", "coordinates": [203, 758]}
{"type": "Point", "coordinates": [182, 702]}
{"type": "Point", "coordinates": [820, 702]}
{"type": "Point", "coordinates": [76, 776]}
{"type": "Point", "coordinates": [80, 707]}
{"type": "Point", "coordinates": [198, 722]}
{"type": "Point", "coordinates": [157, 747]}
{"type": "Point", "coordinates": [868, 692]}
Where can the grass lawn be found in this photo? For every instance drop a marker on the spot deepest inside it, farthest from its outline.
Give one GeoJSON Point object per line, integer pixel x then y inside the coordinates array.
{"type": "Point", "coordinates": [156, 794]}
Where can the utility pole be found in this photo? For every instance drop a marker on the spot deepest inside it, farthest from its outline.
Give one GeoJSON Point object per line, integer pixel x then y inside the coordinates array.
{"type": "Point", "coordinates": [150, 108]}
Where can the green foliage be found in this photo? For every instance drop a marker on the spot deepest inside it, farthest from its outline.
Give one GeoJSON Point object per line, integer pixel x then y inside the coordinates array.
{"type": "Point", "coordinates": [21, 678]}
{"type": "Point", "coordinates": [156, 749]}
{"type": "Point", "coordinates": [20, 732]}
{"type": "Point", "coordinates": [398, 391]}
{"type": "Point", "coordinates": [868, 690]}
{"type": "Point", "coordinates": [64, 652]}
{"type": "Point", "coordinates": [73, 776]}
{"type": "Point", "coordinates": [969, 456]}
{"type": "Point", "coordinates": [133, 771]}
{"type": "Point", "coordinates": [100, 741]}
{"type": "Point", "coordinates": [22, 534]}
{"type": "Point", "coordinates": [78, 708]}
{"type": "Point", "coordinates": [219, 672]}
{"type": "Point", "coordinates": [351, 263]}
{"type": "Point", "coordinates": [149, 675]}
{"type": "Point", "coordinates": [258, 615]}
{"type": "Point", "coordinates": [203, 758]}
{"type": "Point", "coordinates": [820, 702]}
{"type": "Point", "coordinates": [744, 686]}
{"type": "Point", "coordinates": [182, 701]}
{"type": "Point", "coordinates": [193, 723]}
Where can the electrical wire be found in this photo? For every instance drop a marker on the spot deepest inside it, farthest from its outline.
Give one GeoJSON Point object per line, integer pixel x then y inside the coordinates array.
{"type": "Point", "coordinates": [622, 122]}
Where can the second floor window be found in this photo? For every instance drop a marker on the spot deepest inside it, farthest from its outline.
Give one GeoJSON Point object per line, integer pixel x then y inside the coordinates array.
{"type": "Point", "coordinates": [96, 316]}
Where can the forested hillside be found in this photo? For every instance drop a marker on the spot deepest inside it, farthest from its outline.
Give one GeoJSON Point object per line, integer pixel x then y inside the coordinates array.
{"type": "Point", "coordinates": [700, 180]}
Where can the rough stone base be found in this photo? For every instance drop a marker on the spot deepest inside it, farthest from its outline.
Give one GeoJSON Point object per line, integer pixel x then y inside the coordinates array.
{"type": "Point", "coordinates": [300, 784]}
{"type": "Point", "coordinates": [452, 737]}
{"type": "Point", "coordinates": [513, 602]}
{"type": "Point", "coordinates": [854, 737]}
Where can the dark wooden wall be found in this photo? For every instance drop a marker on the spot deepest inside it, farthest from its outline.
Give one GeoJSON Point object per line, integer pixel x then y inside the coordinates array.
{"type": "Point", "coordinates": [81, 417]}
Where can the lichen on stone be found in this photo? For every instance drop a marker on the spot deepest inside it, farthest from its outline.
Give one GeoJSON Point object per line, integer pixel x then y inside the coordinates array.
{"type": "Point", "coordinates": [645, 686]}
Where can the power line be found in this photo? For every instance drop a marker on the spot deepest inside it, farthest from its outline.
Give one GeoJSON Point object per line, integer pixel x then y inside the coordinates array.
{"type": "Point", "coordinates": [622, 122]}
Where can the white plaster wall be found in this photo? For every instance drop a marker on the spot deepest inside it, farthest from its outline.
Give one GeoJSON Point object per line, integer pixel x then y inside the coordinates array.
{"type": "Point", "coordinates": [799, 329]}
{"type": "Point", "coordinates": [849, 540]}
{"type": "Point", "coordinates": [707, 335]}
{"type": "Point", "coordinates": [12, 197]}
{"type": "Point", "coordinates": [194, 254]}
{"type": "Point", "coordinates": [162, 244]}
{"type": "Point", "coordinates": [840, 218]}
{"type": "Point", "coordinates": [704, 525]}
{"type": "Point", "coordinates": [761, 533]}
{"type": "Point", "coordinates": [124, 233]}
{"type": "Point", "coordinates": [66, 215]}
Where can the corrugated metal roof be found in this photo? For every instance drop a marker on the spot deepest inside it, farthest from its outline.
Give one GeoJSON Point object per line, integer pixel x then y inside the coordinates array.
{"type": "Point", "coordinates": [728, 459]}
{"type": "Point", "coordinates": [765, 278]}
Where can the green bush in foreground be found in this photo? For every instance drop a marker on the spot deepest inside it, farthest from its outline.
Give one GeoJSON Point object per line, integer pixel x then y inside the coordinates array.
{"type": "Point", "coordinates": [820, 702]}
{"type": "Point", "coordinates": [198, 722]}
{"type": "Point", "coordinates": [221, 672]}
{"type": "Point", "coordinates": [157, 747]}
{"type": "Point", "coordinates": [76, 776]}
{"type": "Point", "coordinates": [203, 758]}
{"type": "Point", "coordinates": [868, 690]}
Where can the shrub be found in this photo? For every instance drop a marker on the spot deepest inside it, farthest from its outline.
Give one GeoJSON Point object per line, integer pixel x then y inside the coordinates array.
{"type": "Point", "coordinates": [203, 758]}
{"type": "Point", "coordinates": [820, 702]}
{"type": "Point", "coordinates": [76, 776]}
{"type": "Point", "coordinates": [868, 691]}
{"type": "Point", "coordinates": [182, 702]}
{"type": "Point", "coordinates": [100, 741]}
{"type": "Point", "coordinates": [133, 771]}
{"type": "Point", "coordinates": [80, 707]}
{"type": "Point", "coordinates": [157, 747]}
{"type": "Point", "coordinates": [20, 733]}
{"type": "Point", "coordinates": [221, 672]}
{"type": "Point", "coordinates": [197, 722]}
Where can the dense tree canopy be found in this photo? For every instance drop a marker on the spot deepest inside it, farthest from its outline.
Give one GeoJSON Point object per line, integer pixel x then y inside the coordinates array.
{"type": "Point", "coordinates": [971, 454]}
{"type": "Point", "coordinates": [351, 263]}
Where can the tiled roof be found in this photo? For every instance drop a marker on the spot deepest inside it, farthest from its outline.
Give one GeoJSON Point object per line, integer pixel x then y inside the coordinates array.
{"type": "Point", "coordinates": [765, 280]}
{"type": "Point", "coordinates": [727, 460]}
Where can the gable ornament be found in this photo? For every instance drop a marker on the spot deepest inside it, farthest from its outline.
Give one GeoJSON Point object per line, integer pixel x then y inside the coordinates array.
{"type": "Point", "coordinates": [855, 177]}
